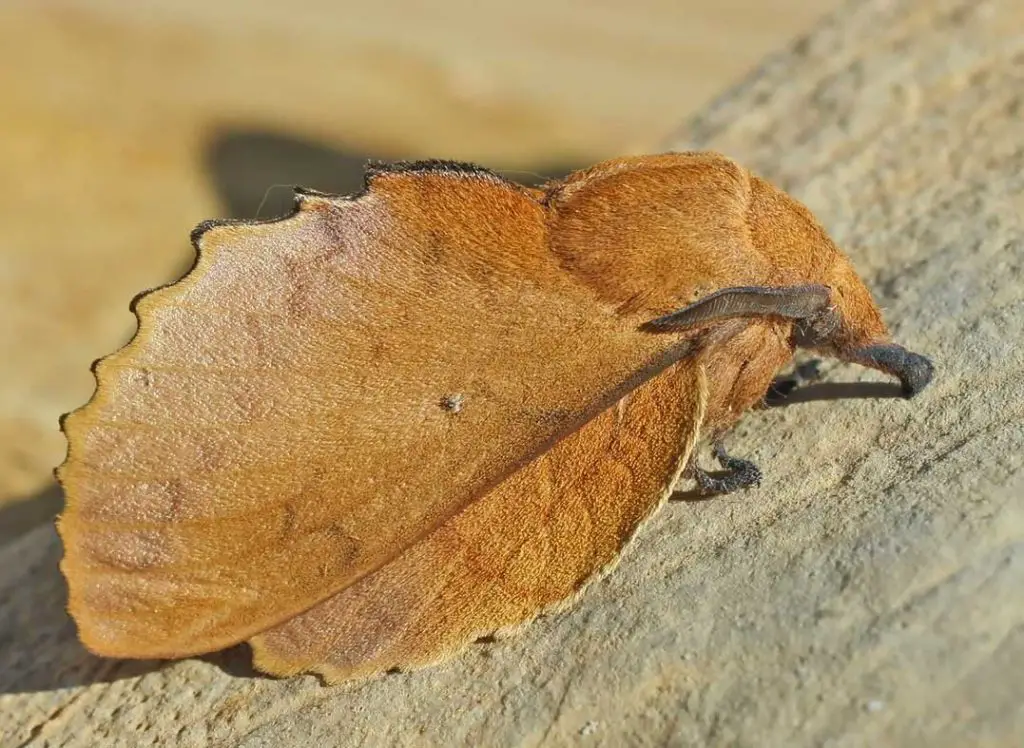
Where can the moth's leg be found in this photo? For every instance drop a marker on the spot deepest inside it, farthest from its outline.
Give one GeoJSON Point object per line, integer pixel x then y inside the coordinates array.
{"type": "Point", "coordinates": [912, 369]}
{"type": "Point", "coordinates": [741, 473]}
{"type": "Point", "coordinates": [782, 387]}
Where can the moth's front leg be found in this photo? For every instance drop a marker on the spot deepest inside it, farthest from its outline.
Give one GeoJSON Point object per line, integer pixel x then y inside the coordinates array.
{"type": "Point", "coordinates": [829, 333]}
{"type": "Point", "coordinates": [912, 369]}
{"type": "Point", "coordinates": [782, 387]}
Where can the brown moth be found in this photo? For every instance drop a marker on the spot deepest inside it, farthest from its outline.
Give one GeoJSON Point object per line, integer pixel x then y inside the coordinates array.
{"type": "Point", "coordinates": [363, 435]}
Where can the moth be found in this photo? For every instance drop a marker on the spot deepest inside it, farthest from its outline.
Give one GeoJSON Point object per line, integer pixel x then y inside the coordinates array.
{"type": "Point", "coordinates": [362, 435]}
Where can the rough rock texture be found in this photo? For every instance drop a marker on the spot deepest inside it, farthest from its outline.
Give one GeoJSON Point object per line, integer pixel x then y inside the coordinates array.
{"type": "Point", "coordinates": [870, 593]}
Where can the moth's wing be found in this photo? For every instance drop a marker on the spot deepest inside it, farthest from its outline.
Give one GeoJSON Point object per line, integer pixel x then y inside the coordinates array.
{"type": "Point", "coordinates": [531, 542]}
{"type": "Point", "coordinates": [278, 428]}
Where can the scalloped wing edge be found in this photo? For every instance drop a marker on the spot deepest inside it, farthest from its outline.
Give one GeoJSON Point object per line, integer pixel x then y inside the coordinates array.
{"type": "Point", "coordinates": [303, 198]}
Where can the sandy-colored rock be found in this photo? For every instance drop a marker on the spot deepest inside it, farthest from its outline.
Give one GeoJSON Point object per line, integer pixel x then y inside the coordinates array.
{"type": "Point", "coordinates": [870, 593]}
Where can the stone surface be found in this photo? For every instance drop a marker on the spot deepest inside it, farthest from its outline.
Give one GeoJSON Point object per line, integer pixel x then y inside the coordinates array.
{"type": "Point", "coordinates": [869, 593]}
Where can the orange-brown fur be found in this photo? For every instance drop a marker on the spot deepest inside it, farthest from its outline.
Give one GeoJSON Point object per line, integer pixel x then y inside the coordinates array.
{"type": "Point", "coordinates": [653, 234]}
{"type": "Point", "coordinates": [272, 457]}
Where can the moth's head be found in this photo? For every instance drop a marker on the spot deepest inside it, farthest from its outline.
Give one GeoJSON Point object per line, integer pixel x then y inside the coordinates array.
{"type": "Point", "coordinates": [851, 328]}
{"type": "Point", "coordinates": [800, 251]}
{"type": "Point", "coordinates": [853, 319]}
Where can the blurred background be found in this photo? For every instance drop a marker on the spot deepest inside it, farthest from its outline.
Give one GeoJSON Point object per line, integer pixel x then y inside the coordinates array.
{"type": "Point", "coordinates": [124, 124]}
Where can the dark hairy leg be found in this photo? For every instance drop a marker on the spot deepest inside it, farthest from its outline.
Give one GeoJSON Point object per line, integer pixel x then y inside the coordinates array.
{"type": "Point", "coordinates": [741, 473]}
{"type": "Point", "coordinates": [912, 369]}
{"type": "Point", "coordinates": [806, 373]}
